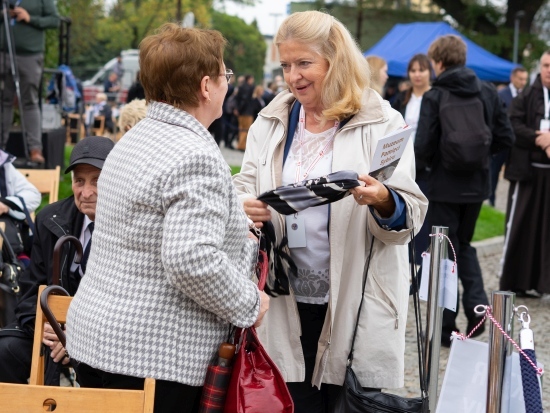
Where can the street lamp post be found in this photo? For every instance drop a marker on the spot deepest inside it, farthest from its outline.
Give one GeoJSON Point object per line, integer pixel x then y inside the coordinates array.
{"type": "Point", "coordinates": [517, 18]}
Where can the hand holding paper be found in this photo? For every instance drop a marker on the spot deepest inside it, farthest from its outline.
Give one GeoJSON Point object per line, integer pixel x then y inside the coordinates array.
{"type": "Point", "coordinates": [388, 152]}
{"type": "Point", "coordinates": [375, 194]}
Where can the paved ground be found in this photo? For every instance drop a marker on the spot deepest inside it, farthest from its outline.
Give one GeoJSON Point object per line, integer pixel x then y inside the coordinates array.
{"type": "Point", "coordinates": [489, 253]}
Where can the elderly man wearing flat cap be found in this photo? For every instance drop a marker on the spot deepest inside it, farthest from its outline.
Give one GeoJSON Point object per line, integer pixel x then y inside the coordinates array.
{"type": "Point", "coordinates": [72, 216]}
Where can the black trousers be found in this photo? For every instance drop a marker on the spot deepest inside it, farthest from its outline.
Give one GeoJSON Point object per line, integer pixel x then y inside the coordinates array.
{"type": "Point", "coordinates": [307, 398]}
{"type": "Point", "coordinates": [169, 396]}
{"type": "Point", "coordinates": [461, 220]}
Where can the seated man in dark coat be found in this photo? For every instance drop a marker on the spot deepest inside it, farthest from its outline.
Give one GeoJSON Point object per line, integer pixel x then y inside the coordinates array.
{"type": "Point", "coordinates": [70, 216]}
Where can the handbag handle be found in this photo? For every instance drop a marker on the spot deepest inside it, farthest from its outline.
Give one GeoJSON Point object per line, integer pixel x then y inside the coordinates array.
{"type": "Point", "coordinates": [416, 299]}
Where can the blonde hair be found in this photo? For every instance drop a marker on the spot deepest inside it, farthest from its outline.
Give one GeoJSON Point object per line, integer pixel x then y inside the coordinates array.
{"type": "Point", "coordinates": [258, 92]}
{"type": "Point", "coordinates": [102, 97]}
{"type": "Point", "coordinates": [131, 113]}
{"type": "Point", "coordinates": [376, 64]}
{"type": "Point", "coordinates": [348, 72]}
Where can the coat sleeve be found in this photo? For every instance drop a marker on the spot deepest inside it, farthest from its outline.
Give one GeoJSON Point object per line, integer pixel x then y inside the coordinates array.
{"type": "Point", "coordinates": [403, 182]}
{"type": "Point", "coordinates": [196, 200]}
{"type": "Point", "coordinates": [35, 275]}
{"type": "Point", "coordinates": [428, 131]}
{"type": "Point", "coordinates": [49, 19]}
{"type": "Point", "coordinates": [23, 188]}
{"type": "Point", "coordinates": [525, 135]}
{"type": "Point", "coordinates": [246, 180]}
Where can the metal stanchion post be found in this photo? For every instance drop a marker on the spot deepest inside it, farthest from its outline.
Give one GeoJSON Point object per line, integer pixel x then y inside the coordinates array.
{"type": "Point", "coordinates": [438, 252]}
{"type": "Point", "coordinates": [499, 348]}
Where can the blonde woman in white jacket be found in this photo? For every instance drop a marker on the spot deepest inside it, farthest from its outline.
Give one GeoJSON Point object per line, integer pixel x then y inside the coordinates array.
{"type": "Point", "coordinates": [309, 332]}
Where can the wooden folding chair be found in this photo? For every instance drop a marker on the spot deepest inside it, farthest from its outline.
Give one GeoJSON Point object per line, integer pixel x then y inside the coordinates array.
{"type": "Point", "coordinates": [45, 180]}
{"type": "Point", "coordinates": [98, 128]}
{"type": "Point", "coordinates": [35, 397]}
{"type": "Point", "coordinates": [75, 126]}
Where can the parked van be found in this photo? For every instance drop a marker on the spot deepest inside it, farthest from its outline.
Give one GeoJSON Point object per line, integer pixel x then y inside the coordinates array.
{"type": "Point", "coordinates": [130, 62]}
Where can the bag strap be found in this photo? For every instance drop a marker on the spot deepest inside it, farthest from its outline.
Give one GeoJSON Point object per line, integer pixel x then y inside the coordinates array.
{"type": "Point", "coordinates": [416, 299]}
{"type": "Point", "coordinates": [30, 222]}
{"type": "Point", "coordinates": [15, 207]}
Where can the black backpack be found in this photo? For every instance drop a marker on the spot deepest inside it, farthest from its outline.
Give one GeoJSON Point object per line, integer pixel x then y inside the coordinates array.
{"type": "Point", "coordinates": [465, 137]}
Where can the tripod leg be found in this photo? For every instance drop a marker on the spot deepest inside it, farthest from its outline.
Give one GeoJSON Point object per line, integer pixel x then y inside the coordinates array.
{"type": "Point", "coordinates": [6, 99]}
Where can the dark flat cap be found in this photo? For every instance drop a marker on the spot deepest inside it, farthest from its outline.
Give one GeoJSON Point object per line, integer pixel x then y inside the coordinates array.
{"type": "Point", "coordinates": [91, 150]}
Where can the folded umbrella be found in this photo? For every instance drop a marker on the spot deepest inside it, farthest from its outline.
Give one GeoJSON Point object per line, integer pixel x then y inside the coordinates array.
{"type": "Point", "coordinates": [293, 198]}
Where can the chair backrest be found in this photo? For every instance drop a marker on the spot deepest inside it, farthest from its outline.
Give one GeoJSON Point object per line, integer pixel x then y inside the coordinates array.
{"type": "Point", "coordinates": [75, 126]}
{"type": "Point", "coordinates": [45, 180]}
{"type": "Point", "coordinates": [98, 128]}
{"type": "Point", "coordinates": [35, 397]}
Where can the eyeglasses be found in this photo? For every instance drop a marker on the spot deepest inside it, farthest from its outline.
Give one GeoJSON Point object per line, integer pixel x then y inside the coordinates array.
{"type": "Point", "coordinates": [228, 73]}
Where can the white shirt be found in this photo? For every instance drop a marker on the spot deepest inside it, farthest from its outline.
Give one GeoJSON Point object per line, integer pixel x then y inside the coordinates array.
{"type": "Point", "coordinates": [514, 90]}
{"type": "Point", "coordinates": [85, 236]}
{"type": "Point", "coordinates": [313, 261]}
{"type": "Point", "coordinates": [412, 112]}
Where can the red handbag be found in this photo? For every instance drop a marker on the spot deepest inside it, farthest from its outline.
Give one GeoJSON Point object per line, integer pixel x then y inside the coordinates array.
{"type": "Point", "coordinates": [256, 385]}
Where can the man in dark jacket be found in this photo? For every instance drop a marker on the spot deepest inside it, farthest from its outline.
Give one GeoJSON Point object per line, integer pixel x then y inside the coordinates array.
{"type": "Point", "coordinates": [526, 270]}
{"type": "Point", "coordinates": [518, 80]}
{"type": "Point", "coordinates": [456, 196]}
{"type": "Point", "coordinates": [245, 109]}
{"type": "Point", "coordinates": [70, 216]}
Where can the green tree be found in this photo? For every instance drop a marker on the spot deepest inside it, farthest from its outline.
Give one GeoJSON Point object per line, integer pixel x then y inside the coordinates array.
{"type": "Point", "coordinates": [492, 26]}
{"type": "Point", "coordinates": [246, 49]}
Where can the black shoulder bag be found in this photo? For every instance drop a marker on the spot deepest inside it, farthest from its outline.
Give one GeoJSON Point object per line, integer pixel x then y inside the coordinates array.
{"type": "Point", "coordinates": [354, 399]}
{"type": "Point", "coordinates": [10, 271]}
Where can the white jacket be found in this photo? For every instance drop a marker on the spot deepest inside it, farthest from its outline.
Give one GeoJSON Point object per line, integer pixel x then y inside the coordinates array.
{"type": "Point", "coordinates": [17, 185]}
{"type": "Point", "coordinates": [380, 345]}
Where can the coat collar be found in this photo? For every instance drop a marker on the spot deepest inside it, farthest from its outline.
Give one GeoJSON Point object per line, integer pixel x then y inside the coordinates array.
{"type": "Point", "coordinates": [163, 112]}
{"type": "Point", "coordinates": [372, 109]}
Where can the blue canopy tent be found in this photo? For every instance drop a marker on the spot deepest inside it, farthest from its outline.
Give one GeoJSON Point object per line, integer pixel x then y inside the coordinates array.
{"type": "Point", "coordinates": [403, 41]}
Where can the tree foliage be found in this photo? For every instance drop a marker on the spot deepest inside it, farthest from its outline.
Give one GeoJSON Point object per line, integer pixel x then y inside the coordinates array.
{"type": "Point", "coordinates": [246, 49]}
{"type": "Point", "coordinates": [98, 34]}
{"type": "Point", "coordinates": [493, 27]}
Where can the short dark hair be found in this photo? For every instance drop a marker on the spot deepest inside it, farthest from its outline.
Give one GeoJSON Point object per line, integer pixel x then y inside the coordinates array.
{"type": "Point", "coordinates": [174, 60]}
{"type": "Point", "coordinates": [449, 50]}
{"type": "Point", "coordinates": [518, 69]}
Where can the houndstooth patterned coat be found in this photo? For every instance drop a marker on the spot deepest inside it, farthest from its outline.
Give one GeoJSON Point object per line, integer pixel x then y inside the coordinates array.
{"type": "Point", "coordinates": [170, 263]}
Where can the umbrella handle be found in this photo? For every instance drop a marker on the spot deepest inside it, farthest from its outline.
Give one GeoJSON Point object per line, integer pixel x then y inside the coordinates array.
{"type": "Point", "coordinates": [53, 289]}
{"type": "Point", "coordinates": [57, 255]}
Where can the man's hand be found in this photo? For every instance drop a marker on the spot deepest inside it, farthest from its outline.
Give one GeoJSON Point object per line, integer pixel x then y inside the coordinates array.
{"type": "Point", "coordinates": [264, 306]}
{"type": "Point", "coordinates": [543, 140]}
{"type": "Point", "coordinates": [375, 194]}
{"type": "Point", "coordinates": [51, 340]}
{"type": "Point", "coordinates": [20, 14]}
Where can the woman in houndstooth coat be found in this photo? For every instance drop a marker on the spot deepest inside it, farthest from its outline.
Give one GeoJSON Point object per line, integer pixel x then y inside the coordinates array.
{"type": "Point", "coordinates": [170, 266]}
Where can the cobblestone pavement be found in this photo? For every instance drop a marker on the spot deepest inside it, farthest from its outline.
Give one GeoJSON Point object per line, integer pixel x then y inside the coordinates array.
{"type": "Point", "coordinates": [540, 316]}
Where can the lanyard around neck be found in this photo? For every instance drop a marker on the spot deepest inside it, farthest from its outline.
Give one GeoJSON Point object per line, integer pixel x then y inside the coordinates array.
{"type": "Point", "coordinates": [546, 103]}
{"type": "Point", "coordinates": [301, 134]}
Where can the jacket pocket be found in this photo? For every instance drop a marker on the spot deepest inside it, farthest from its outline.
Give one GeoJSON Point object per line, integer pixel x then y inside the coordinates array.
{"type": "Point", "coordinates": [383, 298]}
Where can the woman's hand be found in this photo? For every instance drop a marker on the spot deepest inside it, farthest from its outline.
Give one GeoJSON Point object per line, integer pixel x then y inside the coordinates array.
{"type": "Point", "coordinates": [375, 194]}
{"type": "Point", "coordinates": [257, 211]}
{"type": "Point", "coordinates": [3, 208]}
{"type": "Point", "coordinates": [264, 306]}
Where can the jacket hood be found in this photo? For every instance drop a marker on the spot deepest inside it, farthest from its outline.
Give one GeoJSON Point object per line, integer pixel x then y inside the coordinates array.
{"type": "Point", "coordinates": [459, 80]}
